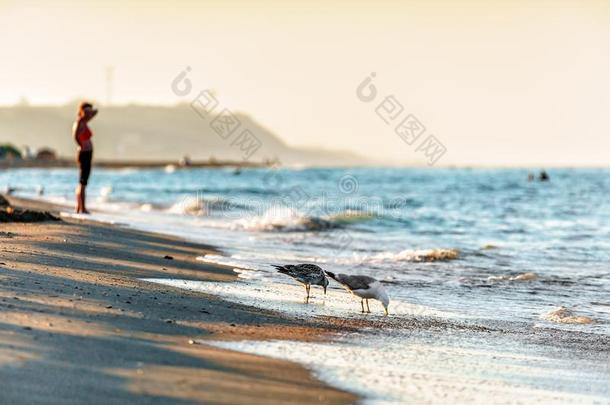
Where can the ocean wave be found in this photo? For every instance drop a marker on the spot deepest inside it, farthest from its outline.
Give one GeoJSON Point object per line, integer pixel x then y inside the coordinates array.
{"type": "Point", "coordinates": [407, 255]}
{"type": "Point", "coordinates": [197, 206]}
{"type": "Point", "coordinates": [351, 216]}
{"type": "Point", "coordinates": [284, 219]}
{"type": "Point", "coordinates": [567, 316]}
{"type": "Point", "coordinates": [419, 255]}
{"type": "Point", "coordinates": [281, 218]}
{"type": "Point", "coordinates": [519, 277]}
{"type": "Point", "coordinates": [189, 206]}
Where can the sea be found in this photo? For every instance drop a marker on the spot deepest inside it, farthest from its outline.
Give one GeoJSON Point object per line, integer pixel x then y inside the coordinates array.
{"type": "Point", "coordinates": [463, 246]}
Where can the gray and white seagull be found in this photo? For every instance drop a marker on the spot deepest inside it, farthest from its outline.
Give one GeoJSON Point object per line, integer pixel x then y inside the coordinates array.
{"type": "Point", "coordinates": [306, 274]}
{"type": "Point", "coordinates": [364, 287]}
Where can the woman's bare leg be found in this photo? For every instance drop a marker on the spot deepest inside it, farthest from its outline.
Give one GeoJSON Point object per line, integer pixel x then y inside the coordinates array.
{"type": "Point", "coordinates": [80, 200]}
{"type": "Point", "coordinates": [83, 198]}
{"type": "Point", "coordinates": [79, 205]}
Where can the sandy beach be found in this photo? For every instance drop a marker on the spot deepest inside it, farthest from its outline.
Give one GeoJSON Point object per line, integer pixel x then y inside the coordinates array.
{"type": "Point", "coordinates": [77, 326]}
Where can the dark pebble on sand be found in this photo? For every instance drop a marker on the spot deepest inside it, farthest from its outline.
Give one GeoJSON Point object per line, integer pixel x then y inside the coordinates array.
{"type": "Point", "coordinates": [27, 328]}
{"type": "Point", "coordinates": [108, 306]}
{"type": "Point", "coordinates": [168, 257]}
{"type": "Point", "coordinates": [233, 324]}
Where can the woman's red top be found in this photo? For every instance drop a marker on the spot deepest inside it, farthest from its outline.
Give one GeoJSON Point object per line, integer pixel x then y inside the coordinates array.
{"type": "Point", "coordinates": [84, 134]}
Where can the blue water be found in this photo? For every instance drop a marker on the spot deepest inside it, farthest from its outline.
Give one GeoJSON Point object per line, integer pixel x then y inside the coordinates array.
{"type": "Point", "coordinates": [384, 222]}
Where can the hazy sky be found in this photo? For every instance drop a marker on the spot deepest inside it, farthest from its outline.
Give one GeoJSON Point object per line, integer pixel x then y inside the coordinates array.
{"type": "Point", "coordinates": [498, 82]}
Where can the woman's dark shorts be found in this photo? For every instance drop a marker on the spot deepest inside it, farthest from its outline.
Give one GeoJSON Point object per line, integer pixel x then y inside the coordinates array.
{"type": "Point", "coordinates": [84, 163]}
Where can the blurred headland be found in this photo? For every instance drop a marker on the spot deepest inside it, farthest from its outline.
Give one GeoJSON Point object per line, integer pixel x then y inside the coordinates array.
{"type": "Point", "coordinates": [153, 135]}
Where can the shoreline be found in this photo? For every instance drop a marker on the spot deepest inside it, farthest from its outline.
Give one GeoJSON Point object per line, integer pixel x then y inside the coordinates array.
{"type": "Point", "coordinates": [291, 340]}
{"type": "Point", "coordinates": [77, 323]}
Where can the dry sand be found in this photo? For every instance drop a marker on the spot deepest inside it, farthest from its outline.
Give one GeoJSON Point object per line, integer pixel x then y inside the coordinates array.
{"type": "Point", "coordinates": [76, 324]}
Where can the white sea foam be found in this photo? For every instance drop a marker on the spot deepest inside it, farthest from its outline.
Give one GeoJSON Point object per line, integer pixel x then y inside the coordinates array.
{"type": "Point", "coordinates": [407, 255]}
{"type": "Point", "coordinates": [405, 367]}
{"type": "Point", "coordinates": [289, 298]}
{"type": "Point", "coordinates": [189, 205]}
{"type": "Point", "coordinates": [105, 193]}
{"type": "Point", "coordinates": [519, 277]}
{"type": "Point", "coordinates": [282, 218]}
{"type": "Point", "coordinates": [224, 261]}
{"type": "Point", "coordinates": [418, 255]}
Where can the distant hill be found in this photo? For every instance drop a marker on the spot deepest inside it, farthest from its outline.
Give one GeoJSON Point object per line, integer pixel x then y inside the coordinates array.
{"type": "Point", "coordinates": [141, 132]}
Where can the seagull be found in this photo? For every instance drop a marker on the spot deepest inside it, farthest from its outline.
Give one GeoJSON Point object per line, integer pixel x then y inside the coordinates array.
{"type": "Point", "coordinates": [306, 274]}
{"type": "Point", "coordinates": [364, 287]}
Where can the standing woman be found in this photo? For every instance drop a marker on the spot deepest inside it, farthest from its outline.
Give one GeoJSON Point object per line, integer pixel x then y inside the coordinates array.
{"type": "Point", "coordinates": [82, 136]}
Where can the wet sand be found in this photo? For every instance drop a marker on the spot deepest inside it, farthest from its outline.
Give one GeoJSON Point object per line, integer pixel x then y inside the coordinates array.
{"type": "Point", "coordinates": [76, 324]}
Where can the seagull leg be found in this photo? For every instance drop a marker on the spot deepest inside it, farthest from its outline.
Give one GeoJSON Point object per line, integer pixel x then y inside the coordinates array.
{"type": "Point", "coordinates": [308, 289]}
{"type": "Point", "coordinates": [368, 310]}
{"type": "Point", "coordinates": [362, 303]}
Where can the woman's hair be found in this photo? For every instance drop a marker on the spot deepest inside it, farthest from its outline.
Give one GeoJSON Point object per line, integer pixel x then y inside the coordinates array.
{"type": "Point", "coordinates": [82, 106]}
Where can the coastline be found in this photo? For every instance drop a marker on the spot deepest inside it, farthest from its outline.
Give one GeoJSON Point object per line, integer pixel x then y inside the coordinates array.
{"type": "Point", "coordinates": [77, 323]}
{"type": "Point", "coordinates": [217, 346]}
